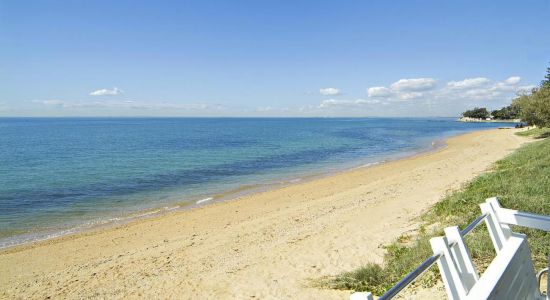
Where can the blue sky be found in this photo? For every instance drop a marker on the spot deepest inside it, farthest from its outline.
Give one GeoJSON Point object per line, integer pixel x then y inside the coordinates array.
{"type": "Point", "coordinates": [268, 58]}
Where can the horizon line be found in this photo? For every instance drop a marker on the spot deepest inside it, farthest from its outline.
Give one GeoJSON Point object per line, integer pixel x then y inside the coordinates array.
{"type": "Point", "coordinates": [219, 117]}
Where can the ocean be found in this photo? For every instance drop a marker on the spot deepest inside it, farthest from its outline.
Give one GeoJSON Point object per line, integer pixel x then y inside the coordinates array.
{"type": "Point", "coordinates": [61, 175]}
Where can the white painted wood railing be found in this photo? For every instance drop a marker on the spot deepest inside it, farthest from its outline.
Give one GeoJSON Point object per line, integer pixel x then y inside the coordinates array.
{"type": "Point", "coordinates": [510, 275]}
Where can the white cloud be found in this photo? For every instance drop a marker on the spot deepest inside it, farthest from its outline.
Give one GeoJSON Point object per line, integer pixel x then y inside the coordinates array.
{"type": "Point", "coordinates": [512, 80]}
{"type": "Point", "coordinates": [347, 103]}
{"type": "Point", "coordinates": [502, 87]}
{"type": "Point", "coordinates": [329, 91]}
{"type": "Point", "coordinates": [508, 85]}
{"type": "Point", "coordinates": [130, 104]}
{"type": "Point", "coordinates": [73, 104]}
{"type": "Point", "coordinates": [414, 84]}
{"type": "Point", "coordinates": [456, 93]}
{"type": "Point", "coordinates": [52, 102]}
{"type": "Point", "coordinates": [275, 110]}
{"type": "Point", "coordinates": [468, 83]}
{"type": "Point", "coordinates": [409, 95]}
{"type": "Point", "coordinates": [417, 96]}
{"type": "Point", "coordinates": [367, 101]}
{"type": "Point", "coordinates": [333, 102]}
{"type": "Point", "coordinates": [479, 94]}
{"type": "Point", "coordinates": [379, 91]}
{"type": "Point", "coordinates": [107, 92]}
{"type": "Point", "coordinates": [525, 88]}
{"type": "Point", "coordinates": [481, 88]}
{"type": "Point", "coordinates": [403, 89]}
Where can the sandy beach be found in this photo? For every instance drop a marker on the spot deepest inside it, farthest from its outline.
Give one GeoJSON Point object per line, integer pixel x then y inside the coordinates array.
{"type": "Point", "coordinates": [267, 245]}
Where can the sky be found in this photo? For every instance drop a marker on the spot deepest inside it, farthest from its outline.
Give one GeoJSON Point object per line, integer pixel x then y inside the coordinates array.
{"type": "Point", "coordinates": [268, 58]}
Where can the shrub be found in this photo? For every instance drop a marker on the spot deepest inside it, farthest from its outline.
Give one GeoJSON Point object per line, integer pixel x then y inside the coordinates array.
{"type": "Point", "coordinates": [477, 113]}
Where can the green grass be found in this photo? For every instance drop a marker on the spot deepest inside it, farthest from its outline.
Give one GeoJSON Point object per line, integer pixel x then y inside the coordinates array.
{"type": "Point", "coordinates": [400, 260]}
{"type": "Point", "coordinates": [521, 181]}
{"type": "Point", "coordinates": [538, 133]}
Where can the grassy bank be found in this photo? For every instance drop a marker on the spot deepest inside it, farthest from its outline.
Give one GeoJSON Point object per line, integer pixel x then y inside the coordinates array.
{"type": "Point", "coordinates": [521, 181]}
{"type": "Point", "coordinates": [537, 133]}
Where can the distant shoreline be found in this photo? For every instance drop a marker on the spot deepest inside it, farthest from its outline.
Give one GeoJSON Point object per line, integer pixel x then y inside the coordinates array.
{"type": "Point", "coordinates": [475, 120]}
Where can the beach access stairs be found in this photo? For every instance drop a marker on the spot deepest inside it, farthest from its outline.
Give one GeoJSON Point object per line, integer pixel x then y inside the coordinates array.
{"type": "Point", "coordinates": [511, 274]}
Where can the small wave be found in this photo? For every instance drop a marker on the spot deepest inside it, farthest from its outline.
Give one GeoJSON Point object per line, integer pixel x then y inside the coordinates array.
{"type": "Point", "coordinates": [369, 165]}
{"type": "Point", "coordinates": [38, 237]}
{"type": "Point", "coordinates": [146, 213]}
{"type": "Point", "coordinates": [171, 208]}
{"type": "Point", "coordinates": [204, 200]}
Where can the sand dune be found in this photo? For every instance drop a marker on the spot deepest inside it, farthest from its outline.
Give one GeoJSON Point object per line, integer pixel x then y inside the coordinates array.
{"type": "Point", "coordinates": [261, 246]}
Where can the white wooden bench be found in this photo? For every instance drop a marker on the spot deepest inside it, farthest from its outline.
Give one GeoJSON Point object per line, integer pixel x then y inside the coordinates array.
{"type": "Point", "coordinates": [510, 275]}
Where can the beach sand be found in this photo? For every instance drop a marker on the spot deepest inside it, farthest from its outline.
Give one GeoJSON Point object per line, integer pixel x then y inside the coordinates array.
{"type": "Point", "coordinates": [267, 245]}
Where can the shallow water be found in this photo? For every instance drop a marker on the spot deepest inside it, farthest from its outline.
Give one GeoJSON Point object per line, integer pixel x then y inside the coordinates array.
{"type": "Point", "coordinates": [60, 174]}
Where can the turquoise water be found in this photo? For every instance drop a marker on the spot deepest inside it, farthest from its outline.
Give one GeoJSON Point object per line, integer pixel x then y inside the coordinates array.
{"type": "Point", "coordinates": [60, 174]}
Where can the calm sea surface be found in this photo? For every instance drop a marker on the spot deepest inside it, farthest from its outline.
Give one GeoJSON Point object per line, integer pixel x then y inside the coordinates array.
{"type": "Point", "coordinates": [58, 175]}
